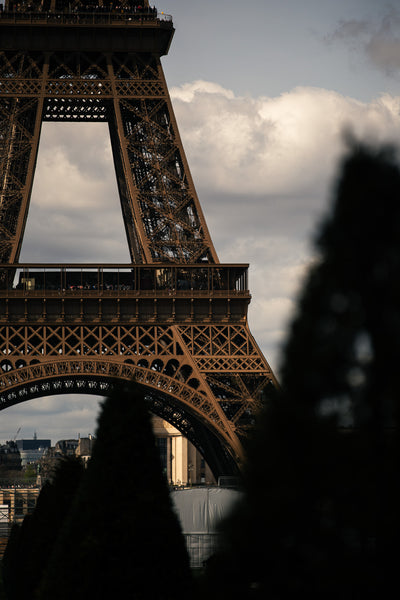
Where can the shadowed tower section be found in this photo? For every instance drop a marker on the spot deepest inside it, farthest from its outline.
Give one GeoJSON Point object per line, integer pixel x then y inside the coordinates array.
{"type": "Point", "coordinates": [174, 317]}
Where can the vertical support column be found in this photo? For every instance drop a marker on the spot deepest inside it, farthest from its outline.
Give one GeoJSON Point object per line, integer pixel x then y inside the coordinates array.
{"type": "Point", "coordinates": [163, 218]}
{"type": "Point", "coordinates": [22, 120]}
{"type": "Point", "coordinates": [213, 257]}
{"type": "Point", "coordinates": [127, 189]}
{"type": "Point", "coordinates": [169, 459]}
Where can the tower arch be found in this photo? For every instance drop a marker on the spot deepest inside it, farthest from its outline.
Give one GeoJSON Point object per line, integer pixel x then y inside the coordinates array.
{"type": "Point", "coordinates": [173, 401]}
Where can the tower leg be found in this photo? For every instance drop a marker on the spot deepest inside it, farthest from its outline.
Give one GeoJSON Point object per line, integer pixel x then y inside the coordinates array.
{"type": "Point", "coordinates": [20, 126]}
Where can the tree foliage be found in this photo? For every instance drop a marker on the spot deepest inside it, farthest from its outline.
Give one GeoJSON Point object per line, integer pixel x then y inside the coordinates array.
{"type": "Point", "coordinates": [121, 535]}
{"type": "Point", "coordinates": [31, 544]}
{"type": "Point", "coordinates": [320, 515]}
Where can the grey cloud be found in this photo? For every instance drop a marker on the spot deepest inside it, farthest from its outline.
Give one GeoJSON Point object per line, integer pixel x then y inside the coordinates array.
{"type": "Point", "coordinates": [54, 417]}
{"type": "Point", "coordinates": [379, 41]}
{"type": "Point", "coordinates": [385, 53]}
{"type": "Point", "coordinates": [95, 237]}
{"type": "Point", "coordinates": [384, 46]}
{"type": "Point", "coordinates": [348, 30]}
{"type": "Point", "coordinates": [92, 154]}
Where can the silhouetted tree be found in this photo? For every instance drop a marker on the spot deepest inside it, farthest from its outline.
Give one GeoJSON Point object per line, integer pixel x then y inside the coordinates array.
{"type": "Point", "coordinates": [31, 543]}
{"type": "Point", "coordinates": [122, 535]}
{"type": "Point", "coordinates": [2, 592]}
{"type": "Point", "coordinates": [320, 516]}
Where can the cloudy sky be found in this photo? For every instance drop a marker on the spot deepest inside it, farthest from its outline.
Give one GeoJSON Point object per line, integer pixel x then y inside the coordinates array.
{"type": "Point", "coordinates": [263, 91]}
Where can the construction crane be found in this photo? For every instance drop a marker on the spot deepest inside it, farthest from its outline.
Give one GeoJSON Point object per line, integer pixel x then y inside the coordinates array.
{"type": "Point", "coordinates": [15, 436]}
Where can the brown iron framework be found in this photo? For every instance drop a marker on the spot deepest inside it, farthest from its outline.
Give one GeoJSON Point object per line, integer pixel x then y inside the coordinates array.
{"type": "Point", "coordinates": [174, 318]}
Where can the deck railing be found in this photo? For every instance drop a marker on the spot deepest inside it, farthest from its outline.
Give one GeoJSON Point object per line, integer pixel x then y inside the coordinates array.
{"type": "Point", "coordinates": [90, 279]}
{"type": "Point", "coordinates": [99, 17]}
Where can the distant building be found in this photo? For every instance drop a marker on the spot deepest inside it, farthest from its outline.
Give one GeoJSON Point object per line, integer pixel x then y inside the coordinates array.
{"type": "Point", "coordinates": [85, 447]}
{"type": "Point", "coordinates": [32, 450]}
{"type": "Point", "coordinates": [66, 447]}
{"type": "Point", "coordinates": [182, 464]}
{"type": "Point", "coordinates": [19, 500]}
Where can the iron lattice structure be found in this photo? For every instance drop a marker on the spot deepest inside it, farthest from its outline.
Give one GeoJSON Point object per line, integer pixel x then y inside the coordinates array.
{"type": "Point", "coordinates": [174, 318]}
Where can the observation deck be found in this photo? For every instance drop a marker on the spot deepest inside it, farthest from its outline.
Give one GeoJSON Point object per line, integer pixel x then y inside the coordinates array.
{"type": "Point", "coordinates": [83, 26]}
{"type": "Point", "coordinates": [126, 293]}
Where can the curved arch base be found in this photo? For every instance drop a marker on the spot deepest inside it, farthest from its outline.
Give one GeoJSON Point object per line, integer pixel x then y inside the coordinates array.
{"type": "Point", "coordinates": [166, 398]}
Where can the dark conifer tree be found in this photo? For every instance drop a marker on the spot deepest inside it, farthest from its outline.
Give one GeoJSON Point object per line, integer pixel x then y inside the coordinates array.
{"type": "Point", "coordinates": [31, 544]}
{"type": "Point", "coordinates": [122, 536]}
{"type": "Point", "coordinates": [320, 516]}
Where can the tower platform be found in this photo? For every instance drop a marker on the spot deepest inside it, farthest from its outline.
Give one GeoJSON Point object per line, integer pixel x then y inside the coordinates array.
{"type": "Point", "coordinates": [96, 31]}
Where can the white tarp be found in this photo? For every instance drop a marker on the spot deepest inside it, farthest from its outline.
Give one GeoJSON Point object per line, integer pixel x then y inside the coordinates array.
{"type": "Point", "coordinates": [200, 509]}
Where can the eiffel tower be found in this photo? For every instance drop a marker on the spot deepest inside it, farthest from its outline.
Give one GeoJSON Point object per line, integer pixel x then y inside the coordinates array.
{"type": "Point", "coordinates": [174, 318]}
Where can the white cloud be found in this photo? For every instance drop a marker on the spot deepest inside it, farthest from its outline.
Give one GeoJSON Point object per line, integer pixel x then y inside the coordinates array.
{"type": "Point", "coordinates": [188, 91]}
{"type": "Point", "coordinates": [283, 145]}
